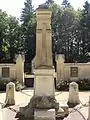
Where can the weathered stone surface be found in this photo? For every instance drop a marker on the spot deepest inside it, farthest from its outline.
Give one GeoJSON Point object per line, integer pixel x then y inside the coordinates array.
{"type": "Point", "coordinates": [10, 94]}
{"type": "Point", "coordinates": [73, 99]}
{"type": "Point", "coordinates": [20, 69]}
{"type": "Point", "coordinates": [43, 57]}
{"type": "Point", "coordinates": [44, 82]}
{"type": "Point", "coordinates": [46, 114]}
{"type": "Point", "coordinates": [38, 102]}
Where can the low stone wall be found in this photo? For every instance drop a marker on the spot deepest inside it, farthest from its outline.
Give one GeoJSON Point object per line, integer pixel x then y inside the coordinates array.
{"type": "Point", "coordinates": [71, 71]}
{"type": "Point", "coordinates": [13, 71]}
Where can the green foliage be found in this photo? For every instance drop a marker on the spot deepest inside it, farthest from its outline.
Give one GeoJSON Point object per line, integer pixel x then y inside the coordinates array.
{"type": "Point", "coordinates": [3, 83]}
{"type": "Point", "coordinates": [65, 22]}
{"type": "Point", "coordinates": [66, 4]}
{"type": "Point", "coordinates": [84, 84]}
{"type": "Point", "coordinates": [11, 40]}
{"type": "Point", "coordinates": [49, 2]}
{"type": "Point", "coordinates": [84, 32]}
{"type": "Point", "coordinates": [63, 85]}
{"type": "Point", "coordinates": [3, 31]}
{"type": "Point", "coordinates": [27, 11]}
{"type": "Point", "coordinates": [14, 37]}
{"type": "Point", "coordinates": [29, 29]}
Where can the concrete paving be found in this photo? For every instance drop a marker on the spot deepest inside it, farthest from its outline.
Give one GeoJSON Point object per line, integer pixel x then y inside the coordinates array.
{"type": "Point", "coordinates": [23, 98]}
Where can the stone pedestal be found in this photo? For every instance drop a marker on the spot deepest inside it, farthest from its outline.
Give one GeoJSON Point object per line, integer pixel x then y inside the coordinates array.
{"type": "Point", "coordinates": [47, 114]}
{"type": "Point", "coordinates": [73, 99]}
{"type": "Point", "coordinates": [44, 82]}
{"type": "Point", "coordinates": [10, 94]}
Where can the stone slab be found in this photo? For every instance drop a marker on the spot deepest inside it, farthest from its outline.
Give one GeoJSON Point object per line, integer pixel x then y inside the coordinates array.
{"type": "Point", "coordinates": [41, 114]}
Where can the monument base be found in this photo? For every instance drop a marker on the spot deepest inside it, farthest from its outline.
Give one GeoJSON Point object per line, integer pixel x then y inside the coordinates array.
{"type": "Point", "coordinates": [43, 99]}
{"type": "Point", "coordinates": [47, 114]}
{"type": "Point", "coordinates": [38, 102]}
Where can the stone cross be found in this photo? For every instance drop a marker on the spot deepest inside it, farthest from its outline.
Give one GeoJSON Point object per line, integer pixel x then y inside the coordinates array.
{"type": "Point", "coordinates": [43, 39]}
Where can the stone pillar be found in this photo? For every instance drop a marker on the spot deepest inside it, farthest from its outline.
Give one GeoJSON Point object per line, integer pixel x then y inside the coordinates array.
{"type": "Point", "coordinates": [10, 94]}
{"type": "Point", "coordinates": [1, 116]}
{"type": "Point", "coordinates": [59, 68]}
{"type": "Point", "coordinates": [20, 69]}
{"type": "Point", "coordinates": [43, 105]}
{"type": "Point", "coordinates": [89, 109]}
{"type": "Point", "coordinates": [73, 99]}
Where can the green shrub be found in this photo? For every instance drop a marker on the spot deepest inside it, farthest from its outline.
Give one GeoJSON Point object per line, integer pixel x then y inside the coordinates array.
{"type": "Point", "coordinates": [3, 83]}
{"type": "Point", "coordinates": [84, 84]}
{"type": "Point", "coordinates": [63, 85]}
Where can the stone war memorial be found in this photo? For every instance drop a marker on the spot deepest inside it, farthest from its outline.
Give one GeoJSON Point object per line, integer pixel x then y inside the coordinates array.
{"type": "Point", "coordinates": [43, 105]}
{"type": "Point", "coordinates": [43, 101]}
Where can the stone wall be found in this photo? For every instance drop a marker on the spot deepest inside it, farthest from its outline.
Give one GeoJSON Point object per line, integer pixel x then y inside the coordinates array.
{"type": "Point", "coordinates": [13, 71]}
{"type": "Point", "coordinates": [72, 71]}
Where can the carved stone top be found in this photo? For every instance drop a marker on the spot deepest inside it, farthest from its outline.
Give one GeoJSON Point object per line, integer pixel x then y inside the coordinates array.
{"type": "Point", "coordinates": [43, 6]}
{"type": "Point", "coordinates": [43, 38]}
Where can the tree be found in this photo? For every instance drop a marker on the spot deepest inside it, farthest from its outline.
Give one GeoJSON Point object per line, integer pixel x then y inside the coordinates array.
{"type": "Point", "coordinates": [84, 32]}
{"type": "Point", "coordinates": [77, 37]}
{"type": "Point", "coordinates": [49, 2]}
{"type": "Point", "coordinates": [3, 32]}
{"type": "Point", "coordinates": [63, 28]}
{"type": "Point", "coordinates": [27, 12]}
{"type": "Point", "coordinates": [11, 40]}
{"type": "Point", "coordinates": [14, 37]}
{"type": "Point", "coordinates": [88, 29]}
{"type": "Point", "coordinates": [66, 4]}
{"type": "Point", "coordinates": [28, 29]}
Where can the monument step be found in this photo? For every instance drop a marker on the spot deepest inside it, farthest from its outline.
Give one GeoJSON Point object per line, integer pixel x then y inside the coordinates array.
{"type": "Point", "coordinates": [46, 114]}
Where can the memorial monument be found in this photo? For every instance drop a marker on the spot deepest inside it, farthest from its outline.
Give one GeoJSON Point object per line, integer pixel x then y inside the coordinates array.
{"type": "Point", "coordinates": [43, 105]}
